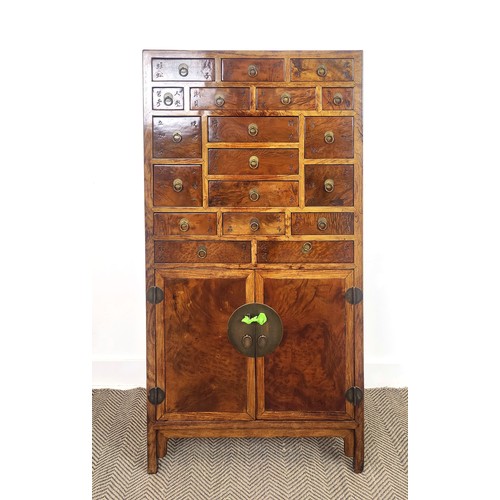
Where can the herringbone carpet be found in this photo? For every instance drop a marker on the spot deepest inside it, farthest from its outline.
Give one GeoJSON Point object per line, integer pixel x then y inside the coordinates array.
{"type": "Point", "coordinates": [240, 469]}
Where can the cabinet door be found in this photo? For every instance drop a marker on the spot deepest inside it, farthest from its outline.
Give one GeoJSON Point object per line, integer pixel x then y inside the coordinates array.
{"type": "Point", "coordinates": [307, 376]}
{"type": "Point", "coordinates": [204, 378]}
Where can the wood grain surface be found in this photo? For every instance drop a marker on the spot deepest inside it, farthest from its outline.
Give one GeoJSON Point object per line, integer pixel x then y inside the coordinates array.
{"type": "Point", "coordinates": [163, 185]}
{"type": "Point", "coordinates": [268, 70]}
{"type": "Point", "coordinates": [342, 194]}
{"type": "Point", "coordinates": [216, 251]}
{"type": "Point", "coordinates": [293, 251]}
{"type": "Point", "coordinates": [164, 133]}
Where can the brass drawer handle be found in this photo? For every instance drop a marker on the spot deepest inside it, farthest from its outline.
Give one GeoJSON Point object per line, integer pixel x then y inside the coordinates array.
{"type": "Point", "coordinates": [322, 223]}
{"type": "Point", "coordinates": [329, 137]}
{"type": "Point", "coordinates": [321, 71]}
{"type": "Point", "coordinates": [168, 99]}
{"type": "Point", "coordinates": [262, 341]}
{"type": "Point", "coordinates": [254, 224]}
{"type": "Point", "coordinates": [184, 225]}
{"type": "Point", "coordinates": [177, 185]}
{"type": "Point", "coordinates": [202, 251]}
{"type": "Point", "coordinates": [246, 341]}
{"type": "Point", "coordinates": [220, 101]}
{"type": "Point", "coordinates": [337, 99]}
{"type": "Point", "coordinates": [307, 247]}
{"type": "Point", "coordinates": [286, 99]}
{"type": "Point", "coordinates": [253, 130]}
{"type": "Point", "coordinates": [329, 185]}
{"type": "Point", "coordinates": [253, 162]}
{"type": "Point", "coordinates": [177, 137]}
{"type": "Point", "coordinates": [253, 194]}
{"type": "Point", "coordinates": [183, 70]}
{"type": "Point", "coordinates": [252, 70]}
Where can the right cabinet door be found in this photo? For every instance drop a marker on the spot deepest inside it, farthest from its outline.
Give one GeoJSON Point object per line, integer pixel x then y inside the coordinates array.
{"type": "Point", "coordinates": [307, 376]}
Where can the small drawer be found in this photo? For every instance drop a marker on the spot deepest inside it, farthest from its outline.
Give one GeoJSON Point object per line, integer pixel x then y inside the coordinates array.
{"type": "Point", "coordinates": [253, 129]}
{"type": "Point", "coordinates": [203, 252]}
{"type": "Point", "coordinates": [176, 137]}
{"type": "Point", "coordinates": [329, 185]}
{"type": "Point", "coordinates": [322, 70]}
{"type": "Point", "coordinates": [253, 161]}
{"type": "Point", "coordinates": [177, 185]}
{"type": "Point", "coordinates": [286, 98]}
{"type": "Point", "coordinates": [253, 223]}
{"type": "Point", "coordinates": [168, 98]}
{"type": "Point", "coordinates": [306, 252]}
{"type": "Point", "coordinates": [253, 70]}
{"type": "Point", "coordinates": [329, 137]}
{"type": "Point", "coordinates": [178, 224]}
{"type": "Point", "coordinates": [220, 98]}
{"type": "Point", "coordinates": [337, 98]}
{"type": "Point", "coordinates": [323, 223]}
{"type": "Point", "coordinates": [190, 70]}
{"type": "Point", "coordinates": [253, 194]}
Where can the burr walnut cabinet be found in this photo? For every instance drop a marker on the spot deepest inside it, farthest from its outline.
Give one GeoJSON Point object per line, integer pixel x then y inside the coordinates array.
{"type": "Point", "coordinates": [253, 207]}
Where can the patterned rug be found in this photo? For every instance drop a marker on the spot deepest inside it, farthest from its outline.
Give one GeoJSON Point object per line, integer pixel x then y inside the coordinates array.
{"type": "Point", "coordinates": [240, 469]}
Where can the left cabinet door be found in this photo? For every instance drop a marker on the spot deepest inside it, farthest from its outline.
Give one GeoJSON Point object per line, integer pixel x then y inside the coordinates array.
{"type": "Point", "coordinates": [203, 376]}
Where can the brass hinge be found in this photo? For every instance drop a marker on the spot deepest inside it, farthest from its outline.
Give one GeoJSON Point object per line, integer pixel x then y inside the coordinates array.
{"type": "Point", "coordinates": [354, 395]}
{"type": "Point", "coordinates": [156, 396]}
{"type": "Point", "coordinates": [354, 295]}
{"type": "Point", "coordinates": [154, 295]}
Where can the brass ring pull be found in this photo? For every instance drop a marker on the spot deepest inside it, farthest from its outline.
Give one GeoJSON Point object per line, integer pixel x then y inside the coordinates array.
{"type": "Point", "coordinates": [184, 225]}
{"type": "Point", "coordinates": [252, 70]}
{"type": "Point", "coordinates": [177, 185]}
{"type": "Point", "coordinates": [168, 99]}
{"type": "Point", "coordinates": [262, 341]}
{"type": "Point", "coordinates": [177, 137]}
{"type": "Point", "coordinates": [254, 224]}
{"type": "Point", "coordinates": [329, 137]}
{"type": "Point", "coordinates": [202, 251]}
{"type": "Point", "coordinates": [253, 194]}
{"type": "Point", "coordinates": [329, 185]}
{"type": "Point", "coordinates": [220, 101]}
{"type": "Point", "coordinates": [246, 341]}
{"type": "Point", "coordinates": [253, 162]}
{"type": "Point", "coordinates": [183, 70]}
{"type": "Point", "coordinates": [253, 129]}
{"type": "Point", "coordinates": [307, 247]}
{"type": "Point", "coordinates": [337, 99]}
{"type": "Point", "coordinates": [322, 223]}
{"type": "Point", "coordinates": [286, 99]}
{"type": "Point", "coordinates": [321, 71]}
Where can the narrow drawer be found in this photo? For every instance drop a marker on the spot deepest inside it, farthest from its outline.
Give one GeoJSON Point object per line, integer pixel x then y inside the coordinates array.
{"type": "Point", "coordinates": [337, 98]}
{"type": "Point", "coordinates": [220, 98]}
{"type": "Point", "coordinates": [253, 194]}
{"type": "Point", "coordinates": [323, 223]}
{"type": "Point", "coordinates": [168, 98]}
{"type": "Point", "coordinates": [321, 70]}
{"type": "Point", "coordinates": [177, 185]}
{"type": "Point", "coordinates": [253, 223]}
{"type": "Point", "coordinates": [176, 137]}
{"type": "Point", "coordinates": [253, 129]}
{"type": "Point", "coordinates": [253, 161]}
{"type": "Point", "coordinates": [203, 252]}
{"type": "Point", "coordinates": [173, 70]}
{"type": "Point", "coordinates": [329, 137]}
{"type": "Point", "coordinates": [178, 224]}
{"type": "Point", "coordinates": [307, 252]}
{"type": "Point", "coordinates": [329, 185]}
{"type": "Point", "coordinates": [286, 98]}
{"type": "Point", "coordinates": [253, 70]}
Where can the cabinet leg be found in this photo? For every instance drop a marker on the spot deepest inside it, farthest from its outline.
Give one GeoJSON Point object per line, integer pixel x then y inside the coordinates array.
{"type": "Point", "coordinates": [152, 452]}
{"type": "Point", "coordinates": [161, 446]}
{"type": "Point", "coordinates": [349, 444]}
{"type": "Point", "coordinates": [359, 449]}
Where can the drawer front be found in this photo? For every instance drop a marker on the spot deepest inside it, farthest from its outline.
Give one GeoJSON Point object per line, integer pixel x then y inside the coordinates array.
{"type": "Point", "coordinates": [253, 161]}
{"type": "Point", "coordinates": [307, 252]}
{"type": "Point", "coordinates": [323, 223]}
{"type": "Point", "coordinates": [253, 70]}
{"type": "Point", "coordinates": [321, 70]}
{"type": "Point", "coordinates": [253, 194]}
{"type": "Point", "coordinates": [168, 98]}
{"type": "Point", "coordinates": [203, 252]}
{"type": "Point", "coordinates": [177, 186]}
{"type": "Point", "coordinates": [329, 137]}
{"type": "Point", "coordinates": [220, 98]}
{"type": "Point", "coordinates": [337, 98]}
{"type": "Point", "coordinates": [253, 129]}
{"type": "Point", "coordinates": [176, 137]}
{"type": "Point", "coordinates": [286, 98]}
{"type": "Point", "coordinates": [174, 70]}
{"type": "Point", "coordinates": [178, 224]}
{"type": "Point", "coordinates": [253, 223]}
{"type": "Point", "coordinates": [329, 185]}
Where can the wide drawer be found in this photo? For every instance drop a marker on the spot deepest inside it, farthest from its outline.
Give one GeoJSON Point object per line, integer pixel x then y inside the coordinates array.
{"type": "Point", "coordinates": [220, 98]}
{"type": "Point", "coordinates": [323, 223]}
{"type": "Point", "coordinates": [337, 98]}
{"type": "Point", "coordinates": [202, 252]}
{"type": "Point", "coordinates": [253, 161]}
{"type": "Point", "coordinates": [286, 98]}
{"type": "Point", "coordinates": [177, 185]}
{"type": "Point", "coordinates": [253, 129]}
{"type": "Point", "coordinates": [321, 69]}
{"type": "Point", "coordinates": [253, 70]}
{"type": "Point", "coordinates": [289, 252]}
{"type": "Point", "coordinates": [176, 137]}
{"type": "Point", "coordinates": [329, 137]}
{"type": "Point", "coordinates": [256, 223]}
{"type": "Point", "coordinates": [329, 185]}
{"type": "Point", "coordinates": [177, 224]}
{"type": "Point", "coordinates": [253, 193]}
{"type": "Point", "coordinates": [183, 69]}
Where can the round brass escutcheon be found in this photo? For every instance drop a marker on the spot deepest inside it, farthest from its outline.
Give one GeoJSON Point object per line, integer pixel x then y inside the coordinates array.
{"type": "Point", "coordinates": [183, 70]}
{"type": "Point", "coordinates": [322, 223]}
{"type": "Point", "coordinates": [220, 101]}
{"type": "Point", "coordinates": [252, 70]}
{"type": "Point", "coordinates": [253, 162]}
{"type": "Point", "coordinates": [177, 137]}
{"type": "Point", "coordinates": [168, 99]}
{"type": "Point", "coordinates": [307, 247]}
{"type": "Point", "coordinates": [184, 225]}
{"type": "Point", "coordinates": [321, 71]}
{"type": "Point", "coordinates": [337, 99]}
{"type": "Point", "coordinates": [329, 137]}
{"type": "Point", "coordinates": [329, 185]}
{"type": "Point", "coordinates": [253, 194]}
{"type": "Point", "coordinates": [286, 99]}
{"type": "Point", "coordinates": [246, 341]}
{"type": "Point", "coordinates": [254, 224]}
{"type": "Point", "coordinates": [202, 251]}
{"type": "Point", "coordinates": [253, 129]}
{"type": "Point", "coordinates": [177, 185]}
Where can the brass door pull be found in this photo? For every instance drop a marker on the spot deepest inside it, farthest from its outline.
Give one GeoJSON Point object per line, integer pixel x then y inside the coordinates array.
{"type": "Point", "coordinates": [177, 137]}
{"type": "Point", "coordinates": [183, 70]}
{"type": "Point", "coordinates": [329, 185]}
{"type": "Point", "coordinates": [168, 99]}
{"type": "Point", "coordinates": [253, 129]}
{"type": "Point", "coordinates": [253, 162]}
{"type": "Point", "coordinates": [184, 225]}
{"type": "Point", "coordinates": [254, 224]}
{"type": "Point", "coordinates": [262, 341]}
{"type": "Point", "coordinates": [307, 247]}
{"type": "Point", "coordinates": [220, 101]}
{"type": "Point", "coordinates": [177, 185]}
{"type": "Point", "coordinates": [321, 71]}
{"type": "Point", "coordinates": [322, 223]}
{"type": "Point", "coordinates": [329, 137]}
{"type": "Point", "coordinates": [253, 195]}
{"type": "Point", "coordinates": [337, 99]}
{"type": "Point", "coordinates": [246, 341]}
{"type": "Point", "coordinates": [202, 252]}
{"type": "Point", "coordinates": [252, 70]}
{"type": "Point", "coordinates": [286, 99]}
